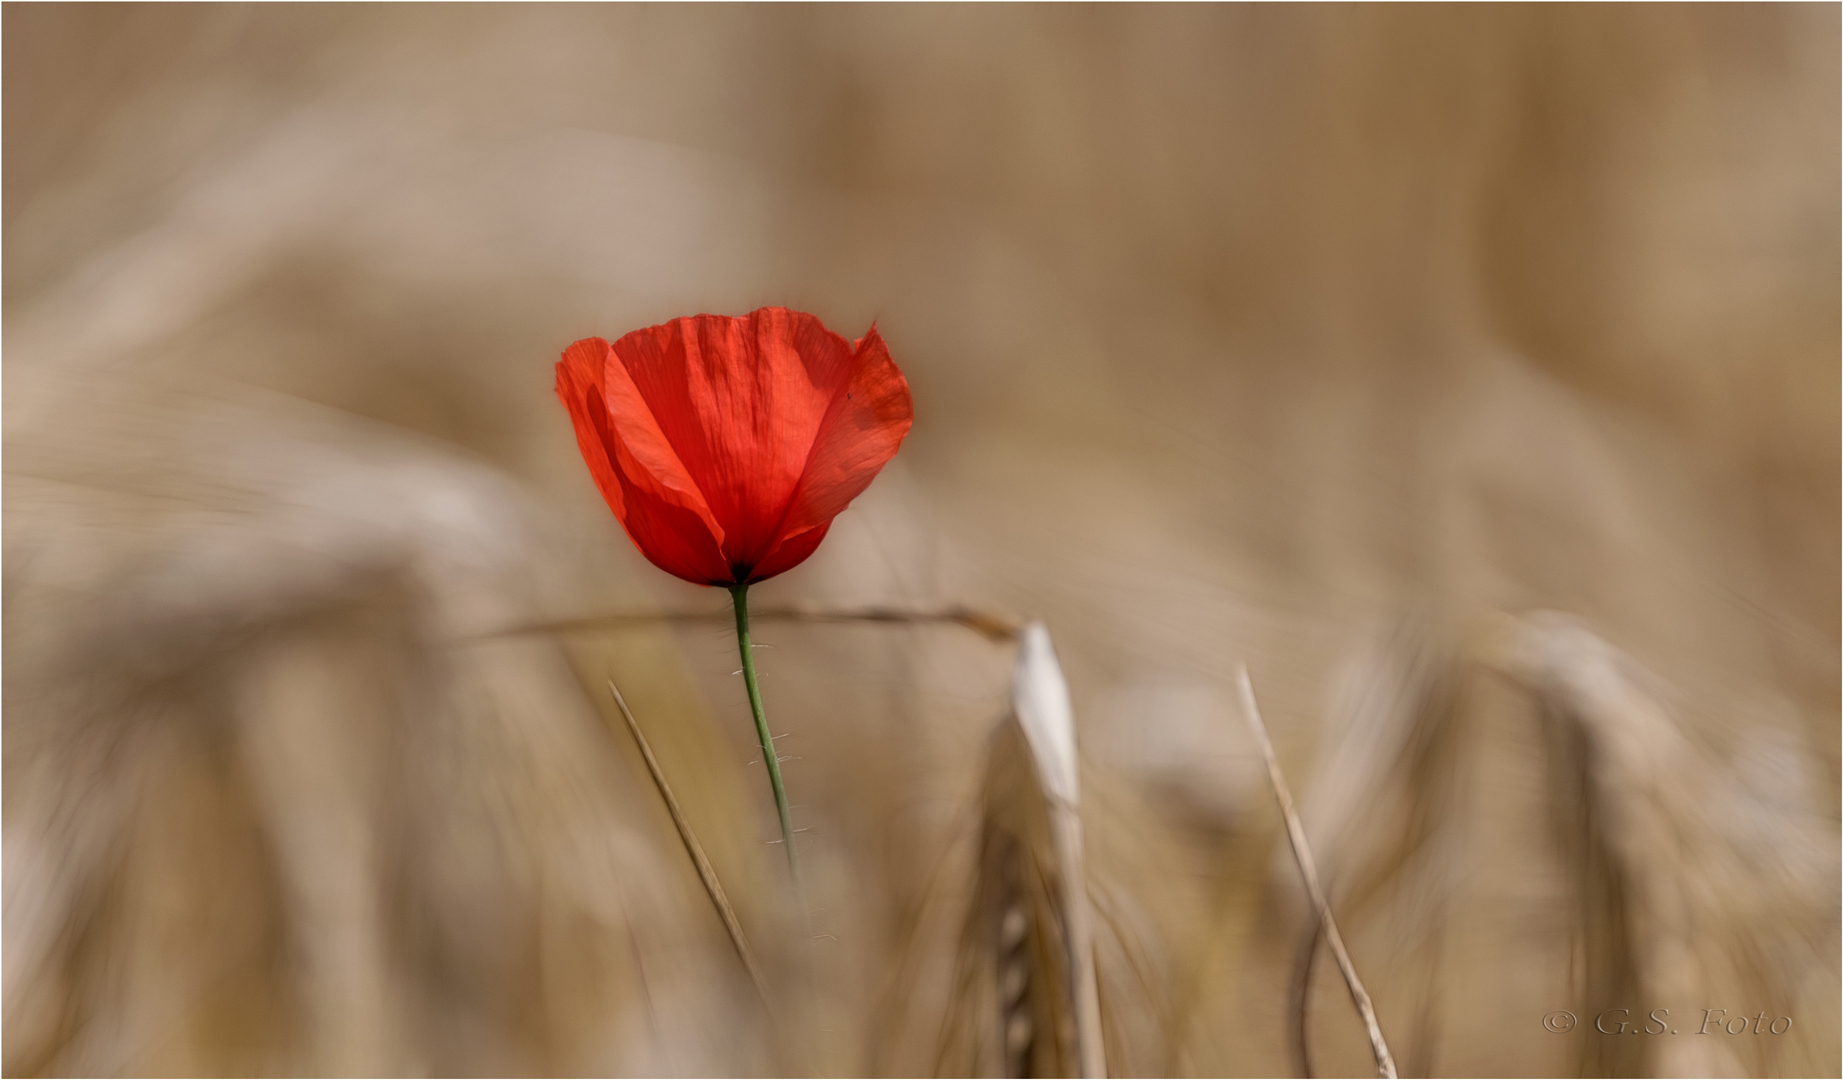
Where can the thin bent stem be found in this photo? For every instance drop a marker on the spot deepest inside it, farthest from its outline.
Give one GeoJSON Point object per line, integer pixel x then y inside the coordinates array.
{"type": "Point", "coordinates": [1302, 854]}
{"type": "Point", "coordinates": [706, 872]}
{"type": "Point", "coordinates": [740, 594]}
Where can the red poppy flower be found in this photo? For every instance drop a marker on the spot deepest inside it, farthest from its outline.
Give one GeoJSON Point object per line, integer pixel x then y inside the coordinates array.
{"type": "Point", "coordinates": [727, 444]}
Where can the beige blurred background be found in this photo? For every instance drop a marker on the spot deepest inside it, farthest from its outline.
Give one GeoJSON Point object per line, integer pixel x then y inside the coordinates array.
{"type": "Point", "coordinates": [1471, 373]}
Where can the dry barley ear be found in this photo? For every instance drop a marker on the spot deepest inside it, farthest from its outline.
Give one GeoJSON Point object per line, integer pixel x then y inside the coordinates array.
{"type": "Point", "coordinates": [1025, 999]}
{"type": "Point", "coordinates": [987, 952]}
{"type": "Point", "coordinates": [1012, 1013]}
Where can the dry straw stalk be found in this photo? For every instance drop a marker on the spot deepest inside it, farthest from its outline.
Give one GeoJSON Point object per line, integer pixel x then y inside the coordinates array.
{"type": "Point", "coordinates": [706, 872]}
{"type": "Point", "coordinates": [991, 626]}
{"type": "Point", "coordinates": [1302, 853]}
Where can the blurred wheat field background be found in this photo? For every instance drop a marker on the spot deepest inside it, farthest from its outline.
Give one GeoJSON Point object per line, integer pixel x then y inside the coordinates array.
{"type": "Point", "coordinates": [1470, 373]}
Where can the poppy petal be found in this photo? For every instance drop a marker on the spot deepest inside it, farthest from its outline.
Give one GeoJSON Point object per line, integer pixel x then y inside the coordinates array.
{"type": "Point", "coordinates": [866, 421]}
{"type": "Point", "coordinates": [674, 539]}
{"type": "Point", "coordinates": [635, 467]}
{"type": "Point", "coordinates": [741, 400]}
{"type": "Point", "coordinates": [579, 379]}
{"type": "Point", "coordinates": [790, 553]}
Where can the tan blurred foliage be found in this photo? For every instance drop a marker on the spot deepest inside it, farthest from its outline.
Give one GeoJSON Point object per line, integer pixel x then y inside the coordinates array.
{"type": "Point", "coordinates": [1338, 340]}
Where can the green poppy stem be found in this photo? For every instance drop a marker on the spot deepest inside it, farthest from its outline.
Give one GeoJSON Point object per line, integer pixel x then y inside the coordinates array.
{"type": "Point", "coordinates": [740, 594]}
